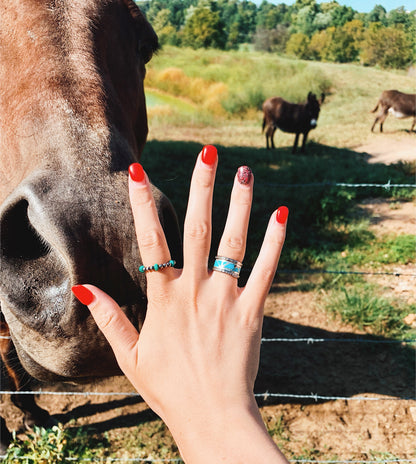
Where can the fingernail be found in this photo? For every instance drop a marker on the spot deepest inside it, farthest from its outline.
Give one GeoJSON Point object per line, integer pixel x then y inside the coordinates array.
{"type": "Point", "coordinates": [136, 172]}
{"type": "Point", "coordinates": [209, 155]}
{"type": "Point", "coordinates": [84, 295]}
{"type": "Point", "coordinates": [282, 214]}
{"type": "Point", "coordinates": [244, 175]}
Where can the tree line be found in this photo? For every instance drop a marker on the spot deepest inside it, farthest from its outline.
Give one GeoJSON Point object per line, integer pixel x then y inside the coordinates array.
{"type": "Point", "coordinates": [308, 30]}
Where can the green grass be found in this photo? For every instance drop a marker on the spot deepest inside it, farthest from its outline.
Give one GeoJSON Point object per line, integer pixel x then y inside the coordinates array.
{"type": "Point", "coordinates": [244, 71]}
{"type": "Point", "coordinates": [364, 305]}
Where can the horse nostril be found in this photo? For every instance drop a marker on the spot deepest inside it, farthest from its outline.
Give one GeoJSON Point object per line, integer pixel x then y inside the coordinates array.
{"type": "Point", "coordinates": [18, 238]}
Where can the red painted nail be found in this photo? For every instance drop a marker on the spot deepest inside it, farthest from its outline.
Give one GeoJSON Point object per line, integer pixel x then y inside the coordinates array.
{"type": "Point", "coordinates": [282, 214]}
{"type": "Point", "coordinates": [136, 172]}
{"type": "Point", "coordinates": [84, 295]}
{"type": "Point", "coordinates": [209, 154]}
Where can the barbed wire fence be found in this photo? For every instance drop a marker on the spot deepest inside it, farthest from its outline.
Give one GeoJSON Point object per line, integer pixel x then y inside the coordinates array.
{"type": "Point", "coordinates": [308, 340]}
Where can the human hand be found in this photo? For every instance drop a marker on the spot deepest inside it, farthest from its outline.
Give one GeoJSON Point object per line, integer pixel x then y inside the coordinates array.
{"type": "Point", "coordinates": [197, 356]}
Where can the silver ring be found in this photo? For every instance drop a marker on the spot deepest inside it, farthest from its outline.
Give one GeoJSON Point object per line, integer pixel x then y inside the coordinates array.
{"type": "Point", "coordinates": [157, 267]}
{"type": "Point", "coordinates": [228, 266]}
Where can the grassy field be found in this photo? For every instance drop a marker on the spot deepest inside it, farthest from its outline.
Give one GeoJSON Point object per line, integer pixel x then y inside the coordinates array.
{"type": "Point", "coordinates": [200, 97]}
{"type": "Point", "coordinates": [227, 89]}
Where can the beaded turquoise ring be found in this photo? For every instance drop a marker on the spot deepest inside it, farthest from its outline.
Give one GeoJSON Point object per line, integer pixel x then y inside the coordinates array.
{"type": "Point", "coordinates": [228, 266]}
{"type": "Point", "coordinates": [157, 267]}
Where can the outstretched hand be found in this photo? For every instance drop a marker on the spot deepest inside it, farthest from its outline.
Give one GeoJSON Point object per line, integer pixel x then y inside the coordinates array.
{"type": "Point", "coordinates": [197, 356]}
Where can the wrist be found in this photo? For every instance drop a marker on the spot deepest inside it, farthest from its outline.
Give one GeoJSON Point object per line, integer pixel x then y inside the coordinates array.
{"type": "Point", "coordinates": [235, 434]}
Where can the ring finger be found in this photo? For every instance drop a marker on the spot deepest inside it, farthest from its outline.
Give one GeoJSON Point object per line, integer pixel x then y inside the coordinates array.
{"type": "Point", "coordinates": [233, 240]}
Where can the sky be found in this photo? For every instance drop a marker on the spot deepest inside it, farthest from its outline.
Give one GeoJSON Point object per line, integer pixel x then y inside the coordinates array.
{"type": "Point", "coordinates": [364, 6]}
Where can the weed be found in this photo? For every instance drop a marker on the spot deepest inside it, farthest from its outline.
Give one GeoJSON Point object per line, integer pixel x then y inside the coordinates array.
{"type": "Point", "coordinates": [361, 305]}
{"type": "Point", "coordinates": [277, 429]}
{"type": "Point", "coordinates": [55, 445]}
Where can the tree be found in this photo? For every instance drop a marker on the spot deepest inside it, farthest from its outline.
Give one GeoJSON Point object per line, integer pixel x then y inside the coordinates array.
{"type": "Point", "coordinates": [319, 44]}
{"type": "Point", "coordinates": [322, 21]}
{"type": "Point", "coordinates": [378, 15]}
{"type": "Point", "coordinates": [387, 47]}
{"type": "Point", "coordinates": [341, 47]}
{"type": "Point", "coordinates": [338, 44]}
{"type": "Point", "coordinates": [203, 29]}
{"type": "Point", "coordinates": [304, 20]}
{"type": "Point", "coordinates": [164, 29]}
{"type": "Point", "coordinates": [341, 15]}
{"type": "Point", "coordinates": [298, 45]}
{"type": "Point", "coordinates": [273, 40]}
{"type": "Point", "coordinates": [269, 15]}
{"type": "Point", "coordinates": [247, 12]}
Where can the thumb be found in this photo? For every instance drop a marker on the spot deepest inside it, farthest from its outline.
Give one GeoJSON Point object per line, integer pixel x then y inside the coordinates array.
{"type": "Point", "coordinates": [113, 323]}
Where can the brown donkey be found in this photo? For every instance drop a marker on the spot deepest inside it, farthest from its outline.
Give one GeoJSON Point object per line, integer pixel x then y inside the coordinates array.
{"type": "Point", "coordinates": [400, 105]}
{"type": "Point", "coordinates": [291, 117]}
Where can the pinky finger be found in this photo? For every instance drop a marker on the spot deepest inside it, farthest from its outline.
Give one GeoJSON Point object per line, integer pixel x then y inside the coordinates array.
{"type": "Point", "coordinates": [264, 270]}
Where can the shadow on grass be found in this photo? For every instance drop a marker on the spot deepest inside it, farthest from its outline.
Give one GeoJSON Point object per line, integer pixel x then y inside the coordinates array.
{"type": "Point", "coordinates": [333, 368]}
{"type": "Point", "coordinates": [303, 182]}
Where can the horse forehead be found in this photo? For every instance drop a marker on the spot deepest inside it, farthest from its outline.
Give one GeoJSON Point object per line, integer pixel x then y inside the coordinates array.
{"type": "Point", "coordinates": [49, 78]}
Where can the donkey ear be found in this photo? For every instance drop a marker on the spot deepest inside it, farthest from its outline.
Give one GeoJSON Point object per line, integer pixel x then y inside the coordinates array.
{"type": "Point", "coordinates": [311, 96]}
{"type": "Point", "coordinates": [148, 41]}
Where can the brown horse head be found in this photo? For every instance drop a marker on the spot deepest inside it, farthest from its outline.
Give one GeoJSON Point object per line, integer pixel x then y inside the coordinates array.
{"type": "Point", "coordinates": [72, 119]}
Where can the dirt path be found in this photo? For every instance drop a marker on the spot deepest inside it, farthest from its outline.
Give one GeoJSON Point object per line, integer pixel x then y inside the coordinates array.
{"type": "Point", "coordinates": [383, 427]}
{"type": "Point", "coordinates": [389, 148]}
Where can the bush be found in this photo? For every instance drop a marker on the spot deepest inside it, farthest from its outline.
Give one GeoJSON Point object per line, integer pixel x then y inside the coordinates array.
{"type": "Point", "coordinates": [298, 45]}
{"type": "Point", "coordinates": [55, 445]}
{"type": "Point", "coordinates": [387, 47]}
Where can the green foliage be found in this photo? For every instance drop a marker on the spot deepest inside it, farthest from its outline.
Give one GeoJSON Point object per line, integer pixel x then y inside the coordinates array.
{"type": "Point", "coordinates": [387, 47]}
{"type": "Point", "coordinates": [338, 44]}
{"type": "Point", "coordinates": [281, 28]}
{"type": "Point", "coordinates": [360, 305]}
{"type": "Point", "coordinates": [55, 445]}
{"type": "Point", "coordinates": [400, 250]}
{"type": "Point", "coordinates": [239, 76]}
{"type": "Point", "coordinates": [298, 45]}
{"type": "Point", "coordinates": [378, 15]}
{"type": "Point", "coordinates": [203, 29]}
{"type": "Point", "coordinates": [240, 101]}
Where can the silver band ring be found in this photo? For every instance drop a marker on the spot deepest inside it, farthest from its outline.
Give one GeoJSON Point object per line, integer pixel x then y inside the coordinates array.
{"type": "Point", "coordinates": [228, 266]}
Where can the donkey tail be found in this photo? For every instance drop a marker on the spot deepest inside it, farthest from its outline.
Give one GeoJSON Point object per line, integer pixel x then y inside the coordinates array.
{"type": "Point", "coordinates": [264, 124]}
{"type": "Point", "coordinates": [376, 108]}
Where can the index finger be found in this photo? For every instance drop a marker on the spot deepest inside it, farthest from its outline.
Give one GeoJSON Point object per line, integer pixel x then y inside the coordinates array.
{"type": "Point", "coordinates": [151, 239]}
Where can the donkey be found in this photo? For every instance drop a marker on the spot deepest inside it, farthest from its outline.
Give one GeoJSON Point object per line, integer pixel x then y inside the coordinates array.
{"type": "Point", "coordinates": [72, 119]}
{"type": "Point", "coordinates": [291, 117]}
{"type": "Point", "coordinates": [400, 105]}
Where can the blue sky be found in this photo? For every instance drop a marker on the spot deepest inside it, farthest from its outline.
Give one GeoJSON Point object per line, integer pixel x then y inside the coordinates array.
{"type": "Point", "coordinates": [364, 6]}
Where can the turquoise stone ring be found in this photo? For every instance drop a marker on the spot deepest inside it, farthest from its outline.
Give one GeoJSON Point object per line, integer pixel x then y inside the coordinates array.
{"type": "Point", "coordinates": [228, 266]}
{"type": "Point", "coordinates": [157, 267]}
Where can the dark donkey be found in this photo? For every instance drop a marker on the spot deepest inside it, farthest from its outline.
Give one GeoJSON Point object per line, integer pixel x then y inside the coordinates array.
{"type": "Point", "coordinates": [400, 105]}
{"type": "Point", "coordinates": [72, 119]}
{"type": "Point", "coordinates": [291, 117]}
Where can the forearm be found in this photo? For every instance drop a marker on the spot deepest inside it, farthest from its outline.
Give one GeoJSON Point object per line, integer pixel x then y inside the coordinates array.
{"type": "Point", "coordinates": [234, 437]}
